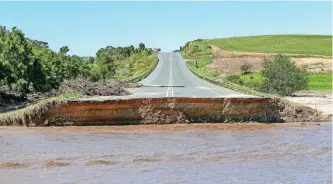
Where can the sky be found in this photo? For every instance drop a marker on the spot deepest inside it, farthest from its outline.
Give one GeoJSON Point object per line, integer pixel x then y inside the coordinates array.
{"type": "Point", "coordinates": [86, 27]}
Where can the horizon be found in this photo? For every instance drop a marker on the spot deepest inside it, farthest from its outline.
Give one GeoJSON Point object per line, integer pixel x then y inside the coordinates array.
{"type": "Point", "coordinates": [86, 27]}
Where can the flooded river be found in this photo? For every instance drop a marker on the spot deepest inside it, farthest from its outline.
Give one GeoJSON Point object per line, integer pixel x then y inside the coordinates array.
{"type": "Point", "coordinates": [212, 153]}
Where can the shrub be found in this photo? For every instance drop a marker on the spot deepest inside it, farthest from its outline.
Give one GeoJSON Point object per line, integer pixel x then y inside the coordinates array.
{"type": "Point", "coordinates": [245, 68]}
{"type": "Point", "coordinates": [235, 79]}
{"type": "Point", "coordinates": [283, 77]}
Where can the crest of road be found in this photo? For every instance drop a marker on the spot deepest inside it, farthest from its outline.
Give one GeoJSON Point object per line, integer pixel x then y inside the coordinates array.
{"type": "Point", "coordinates": [172, 78]}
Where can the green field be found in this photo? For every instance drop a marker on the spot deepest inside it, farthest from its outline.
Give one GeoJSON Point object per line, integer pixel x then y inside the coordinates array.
{"type": "Point", "coordinates": [292, 44]}
{"type": "Point", "coordinates": [136, 65]}
{"type": "Point", "coordinates": [317, 81]}
{"type": "Point", "coordinates": [320, 81]}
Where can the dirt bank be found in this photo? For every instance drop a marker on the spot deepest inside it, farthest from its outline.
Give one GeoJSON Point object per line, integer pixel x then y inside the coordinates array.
{"type": "Point", "coordinates": [231, 61]}
{"type": "Point", "coordinates": [321, 101]}
{"type": "Point", "coordinates": [232, 65]}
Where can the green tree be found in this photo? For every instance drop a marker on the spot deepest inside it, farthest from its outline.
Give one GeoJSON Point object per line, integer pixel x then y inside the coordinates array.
{"type": "Point", "coordinates": [142, 46]}
{"type": "Point", "coordinates": [23, 71]}
{"type": "Point", "coordinates": [282, 76]}
{"type": "Point", "coordinates": [104, 66]}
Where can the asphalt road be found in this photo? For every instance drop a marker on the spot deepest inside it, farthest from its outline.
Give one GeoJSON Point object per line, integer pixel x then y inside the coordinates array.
{"type": "Point", "coordinates": [178, 81]}
{"type": "Point", "coordinates": [172, 78]}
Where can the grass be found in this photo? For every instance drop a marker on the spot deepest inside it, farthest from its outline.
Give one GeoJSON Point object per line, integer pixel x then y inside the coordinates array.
{"type": "Point", "coordinates": [20, 116]}
{"type": "Point", "coordinates": [135, 66]}
{"type": "Point", "coordinates": [252, 80]}
{"type": "Point", "coordinates": [196, 49]}
{"type": "Point", "coordinates": [292, 44]}
{"type": "Point", "coordinates": [305, 45]}
{"type": "Point", "coordinates": [204, 61]}
{"type": "Point", "coordinates": [320, 81]}
{"type": "Point", "coordinates": [317, 81]}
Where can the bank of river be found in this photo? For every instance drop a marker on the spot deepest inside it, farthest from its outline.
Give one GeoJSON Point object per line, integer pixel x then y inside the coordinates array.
{"type": "Point", "coordinates": [196, 153]}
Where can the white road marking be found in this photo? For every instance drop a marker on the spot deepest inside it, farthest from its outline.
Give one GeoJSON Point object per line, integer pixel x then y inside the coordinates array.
{"type": "Point", "coordinates": [170, 80]}
{"type": "Point", "coordinates": [181, 65]}
{"type": "Point", "coordinates": [160, 66]}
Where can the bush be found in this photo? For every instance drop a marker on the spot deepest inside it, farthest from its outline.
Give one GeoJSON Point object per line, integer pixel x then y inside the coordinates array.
{"type": "Point", "coordinates": [283, 77]}
{"type": "Point", "coordinates": [235, 79]}
{"type": "Point", "coordinates": [245, 68]}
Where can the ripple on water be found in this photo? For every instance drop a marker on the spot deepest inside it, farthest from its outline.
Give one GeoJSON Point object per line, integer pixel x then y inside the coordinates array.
{"type": "Point", "coordinates": [49, 164]}
{"type": "Point", "coordinates": [145, 159]}
{"type": "Point", "coordinates": [100, 162]}
{"type": "Point", "coordinates": [12, 165]}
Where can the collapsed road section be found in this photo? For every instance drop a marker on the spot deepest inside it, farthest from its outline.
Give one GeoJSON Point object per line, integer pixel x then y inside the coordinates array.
{"type": "Point", "coordinates": [159, 111]}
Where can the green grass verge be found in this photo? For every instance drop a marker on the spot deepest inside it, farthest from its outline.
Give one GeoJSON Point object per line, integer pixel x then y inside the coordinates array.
{"type": "Point", "coordinates": [317, 81]}
{"type": "Point", "coordinates": [292, 44]}
{"type": "Point", "coordinates": [16, 117]}
{"type": "Point", "coordinates": [225, 83]}
{"type": "Point", "coordinates": [320, 81]}
{"type": "Point", "coordinates": [136, 65]}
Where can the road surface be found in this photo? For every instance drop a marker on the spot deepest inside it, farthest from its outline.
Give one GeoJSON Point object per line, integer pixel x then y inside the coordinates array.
{"type": "Point", "coordinates": [172, 78]}
{"type": "Point", "coordinates": [178, 81]}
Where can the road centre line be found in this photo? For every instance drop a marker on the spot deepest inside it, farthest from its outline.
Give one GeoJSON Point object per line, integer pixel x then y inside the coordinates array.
{"type": "Point", "coordinates": [170, 80]}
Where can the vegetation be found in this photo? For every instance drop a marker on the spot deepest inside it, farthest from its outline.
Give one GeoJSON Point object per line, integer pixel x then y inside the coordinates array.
{"type": "Point", "coordinates": [23, 116]}
{"type": "Point", "coordinates": [135, 65]}
{"type": "Point", "coordinates": [29, 66]}
{"type": "Point", "coordinates": [320, 81]}
{"type": "Point", "coordinates": [292, 44]}
{"type": "Point", "coordinates": [196, 49]}
{"type": "Point", "coordinates": [246, 68]}
{"type": "Point", "coordinates": [283, 77]}
{"type": "Point", "coordinates": [317, 81]}
{"type": "Point", "coordinates": [252, 80]}
{"type": "Point", "coordinates": [304, 45]}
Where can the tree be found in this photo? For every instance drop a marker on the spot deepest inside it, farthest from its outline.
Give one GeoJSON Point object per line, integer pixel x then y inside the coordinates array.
{"type": "Point", "coordinates": [63, 51]}
{"type": "Point", "coordinates": [104, 67]}
{"type": "Point", "coordinates": [142, 46]}
{"type": "Point", "coordinates": [23, 71]}
{"type": "Point", "coordinates": [282, 76]}
{"type": "Point", "coordinates": [245, 68]}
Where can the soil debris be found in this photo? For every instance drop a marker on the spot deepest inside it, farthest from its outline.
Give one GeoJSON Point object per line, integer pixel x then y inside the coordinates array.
{"type": "Point", "coordinates": [151, 115]}
{"type": "Point", "coordinates": [11, 100]}
{"type": "Point", "coordinates": [290, 112]}
{"type": "Point", "coordinates": [99, 88]}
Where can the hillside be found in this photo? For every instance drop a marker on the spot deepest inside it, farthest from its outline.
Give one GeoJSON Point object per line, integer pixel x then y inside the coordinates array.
{"type": "Point", "coordinates": [292, 44]}
{"type": "Point", "coordinates": [135, 65]}
{"type": "Point", "coordinates": [221, 57]}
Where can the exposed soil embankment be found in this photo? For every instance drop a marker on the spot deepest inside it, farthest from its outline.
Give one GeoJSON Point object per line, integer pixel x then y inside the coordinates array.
{"type": "Point", "coordinates": [320, 101]}
{"type": "Point", "coordinates": [168, 111]}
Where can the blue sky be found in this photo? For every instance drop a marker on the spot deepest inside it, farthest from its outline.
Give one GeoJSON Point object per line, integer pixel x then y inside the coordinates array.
{"type": "Point", "coordinates": [87, 26]}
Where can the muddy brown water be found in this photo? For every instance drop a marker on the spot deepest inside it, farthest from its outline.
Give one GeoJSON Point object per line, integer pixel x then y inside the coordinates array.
{"type": "Point", "coordinates": [206, 153]}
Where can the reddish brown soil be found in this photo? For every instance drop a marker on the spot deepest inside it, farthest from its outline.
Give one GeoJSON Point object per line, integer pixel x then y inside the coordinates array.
{"type": "Point", "coordinates": [230, 61]}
